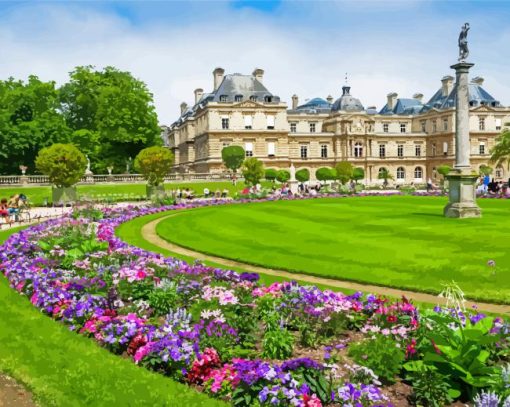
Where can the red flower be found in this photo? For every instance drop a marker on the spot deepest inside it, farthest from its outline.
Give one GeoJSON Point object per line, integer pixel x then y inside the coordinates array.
{"type": "Point", "coordinates": [137, 342]}
{"type": "Point", "coordinates": [391, 319]}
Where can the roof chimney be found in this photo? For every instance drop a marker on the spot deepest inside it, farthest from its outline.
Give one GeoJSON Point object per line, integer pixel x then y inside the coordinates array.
{"type": "Point", "coordinates": [418, 97]}
{"type": "Point", "coordinates": [330, 99]}
{"type": "Point", "coordinates": [218, 77]}
{"type": "Point", "coordinates": [198, 94]}
{"type": "Point", "coordinates": [295, 102]}
{"type": "Point", "coordinates": [477, 81]}
{"type": "Point", "coordinates": [392, 98]}
{"type": "Point", "coordinates": [258, 74]}
{"type": "Point", "coordinates": [447, 87]}
{"type": "Point", "coordinates": [184, 107]}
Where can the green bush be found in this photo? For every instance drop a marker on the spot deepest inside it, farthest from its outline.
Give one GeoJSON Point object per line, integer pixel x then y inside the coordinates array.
{"type": "Point", "coordinates": [344, 171]}
{"type": "Point", "coordinates": [64, 164]}
{"type": "Point", "coordinates": [303, 175]}
{"type": "Point", "coordinates": [380, 354]}
{"type": "Point", "coordinates": [163, 300]}
{"type": "Point", "coordinates": [154, 163]}
{"type": "Point", "coordinates": [358, 174]}
{"type": "Point", "coordinates": [282, 176]}
{"type": "Point", "coordinates": [270, 174]}
{"type": "Point", "coordinates": [325, 174]}
{"type": "Point", "coordinates": [430, 388]}
{"type": "Point", "coordinates": [253, 170]}
{"type": "Point", "coordinates": [233, 157]}
{"type": "Point", "coordinates": [278, 343]}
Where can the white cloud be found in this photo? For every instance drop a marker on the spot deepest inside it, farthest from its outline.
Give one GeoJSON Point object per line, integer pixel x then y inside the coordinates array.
{"type": "Point", "coordinates": [174, 59]}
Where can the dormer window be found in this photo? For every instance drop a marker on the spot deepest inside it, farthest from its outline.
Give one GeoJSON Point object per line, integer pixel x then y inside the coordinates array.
{"type": "Point", "coordinates": [239, 98]}
{"type": "Point", "coordinates": [223, 98]}
{"type": "Point", "coordinates": [268, 99]}
{"type": "Point", "coordinates": [253, 98]}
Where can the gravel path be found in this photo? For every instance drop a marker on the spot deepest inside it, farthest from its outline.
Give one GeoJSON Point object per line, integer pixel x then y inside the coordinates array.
{"type": "Point", "coordinates": [149, 233]}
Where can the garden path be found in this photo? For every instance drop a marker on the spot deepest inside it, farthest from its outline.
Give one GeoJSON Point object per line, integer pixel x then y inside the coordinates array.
{"type": "Point", "coordinates": [149, 233]}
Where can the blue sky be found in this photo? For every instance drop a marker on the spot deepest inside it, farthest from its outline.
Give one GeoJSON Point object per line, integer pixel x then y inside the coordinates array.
{"type": "Point", "coordinates": [305, 47]}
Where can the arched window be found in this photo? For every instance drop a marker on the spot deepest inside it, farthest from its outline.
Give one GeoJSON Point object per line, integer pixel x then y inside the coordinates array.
{"type": "Point", "coordinates": [401, 173]}
{"type": "Point", "coordinates": [358, 149]}
{"type": "Point", "coordinates": [382, 170]}
{"type": "Point", "coordinates": [418, 173]}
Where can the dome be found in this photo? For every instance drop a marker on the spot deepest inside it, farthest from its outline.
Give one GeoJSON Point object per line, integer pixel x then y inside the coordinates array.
{"type": "Point", "coordinates": [317, 105]}
{"type": "Point", "coordinates": [347, 102]}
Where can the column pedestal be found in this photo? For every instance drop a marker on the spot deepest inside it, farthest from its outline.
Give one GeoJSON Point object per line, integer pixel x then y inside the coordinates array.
{"type": "Point", "coordinates": [462, 196]}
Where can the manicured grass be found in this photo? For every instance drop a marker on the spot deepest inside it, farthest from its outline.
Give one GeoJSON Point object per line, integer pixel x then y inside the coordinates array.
{"type": "Point", "coordinates": [395, 241]}
{"type": "Point", "coordinates": [62, 368]}
{"type": "Point", "coordinates": [37, 195]}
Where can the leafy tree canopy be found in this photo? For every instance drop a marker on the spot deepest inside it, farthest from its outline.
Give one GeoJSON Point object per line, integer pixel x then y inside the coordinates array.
{"type": "Point", "coordinates": [303, 175]}
{"type": "Point", "coordinates": [485, 170]}
{"type": "Point", "coordinates": [325, 174]}
{"type": "Point", "coordinates": [253, 170]}
{"type": "Point", "coordinates": [358, 173]}
{"type": "Point", "coordinates": [154, 163]}
{"type": "Point", "coordinates": [64, 164]}
{"type": "Point", "coordinates": [282, 176]}
{"type": "Point", "coordinates": [270, 174]}
{"type": "Point", "coordinates": [233, 157]}
{"type": "Point", "coordinates": [444, 170]}
{"type": "Point", "coordinates": [500, 154]}
{"type": "Point", "coordinates": [344, 171]}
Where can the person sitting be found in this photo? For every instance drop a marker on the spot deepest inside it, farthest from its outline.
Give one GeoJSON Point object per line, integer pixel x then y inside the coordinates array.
{"type": "Point", "coordinates": [206, 192]}
{"type": "Point", "coordinates": [13, 206]}
{"type": "Point", "coordinates": [217, 194]}
{"type": "Point", "coordinates": [4, 210]}
{"type": "Point", "coordinates": [224, 193]}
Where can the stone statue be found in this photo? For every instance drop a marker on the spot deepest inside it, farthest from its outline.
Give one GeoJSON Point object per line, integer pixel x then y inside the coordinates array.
{"type": "Point", "coordinates": [292, 172]}
{"type": "Point", "coordinates": [463, 43]}
{"type": "Point", "coordinates": [88, 171]}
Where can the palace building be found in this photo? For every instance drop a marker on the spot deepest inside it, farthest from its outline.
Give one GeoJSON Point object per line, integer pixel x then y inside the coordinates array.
{"type": "Point", "coordinates": [408, 137]}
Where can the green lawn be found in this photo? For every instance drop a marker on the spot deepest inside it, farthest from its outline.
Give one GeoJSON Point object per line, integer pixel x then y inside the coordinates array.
{"type": "Point", "coordinates": [37, 195]}
{"type": "Point", "coordinates": [399, 241]}
{"type": "Point", "coordinates": [62, 368]}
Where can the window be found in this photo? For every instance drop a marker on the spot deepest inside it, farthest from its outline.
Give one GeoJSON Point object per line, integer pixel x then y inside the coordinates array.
{"type": "Point", "coordinates": [268, 99]}
{"type": "Point", "coordinates": [223, 98]}
{"type": "Point", "coordinates": [386, 127]}
{"type": "Point", "coordinates": [324, 151]}
{"type": "Point", "coordinates": [270, 122]}
{"type": "Point", "coordinates": [498, 124]}
{"type": "Point", "coordinates": [304, 151]}
{"type": "Point", "coordinates": [239, 98]}
{"type": "Point", "coordinates": [382, 172]}
{"type": "Point", "coordinates": [445, 147]}
{"type": "Point", "coordinates": [271, 149]}
{"type": "Point", "coordinates": [418, 173]}
{"type": "Point", "coordinates": [499, 172]}
{"type": "Point", "coordinates": [224, 123]}
{"type": "Point", "coordinates": [248, 122]}
{"type": "Point", "coordinates": [417, 150]}
{"type": "Point", "coordinates": [445, 124]}
{"type": "Point", "coordinates": [481, 123]}
{"type": "Point", "coordinates": [293, 127]}
{"type": "Point", "coordinates": [403, 127]}
{"type": "Point", "coordinates": [382, 150]}
{"type": "Point", "coordinates": [248, 147]}
{"type": "Point", "coordinates": [434, 126]}
{"type": "Point", "coordinates": [253, 98]}
{"type": "Point", "coordinates": [433, 148]}
{"type": "Point", "coordinates": [400, 150]}
{"type": "Point", "coordinates": [423, 126]}
{"type": "Point", "coordinates": [358, 150]}
{"type": "Point", "coordinates": [481, 148]}
{"type": "Point", "coordinates": [401, 173]}
{"type": "Point", "coordinates": [312, 127]}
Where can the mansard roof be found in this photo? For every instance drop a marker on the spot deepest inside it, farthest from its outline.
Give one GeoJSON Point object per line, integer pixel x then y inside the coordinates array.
{"type": "Point", "coordinates": [243, 87]}
{"type": "Point", "coordinates": [403, 106]}
{"type": "Point", "coordinates": [315, 105]}
{"type": "Point", "coordinates": [478, 96]}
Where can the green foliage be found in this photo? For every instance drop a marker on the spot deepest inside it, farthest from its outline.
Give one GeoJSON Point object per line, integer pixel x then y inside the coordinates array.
{"type": "Point", "coordinates": [64, 164]}
{"type": "Point", "coordinates": [381, 354]}
{"type": "Point", "coordinates": [111, 114]}
{"type": "Point", "coordinates": [485, 170]}
{"type": "Point", "coordinates": [444, 170]}
{"type": "Point", "coordinates": [325, 174]}
{"type": "Point", "coordinates": [500, 154]}
{"type": "Point", "coordinates": [303, 175]}
{"type": "Point", "coordinates": [430, 388]}
{"type": "Point", "coordinates": [270, 174]}
{"type": "Point", "coordinates": [282, 176]}
{"type": "Point", "coordinates": [358, 174]}
{"type": "Point", "coordinates": [253, 170]}
{"type": "Point", "coordinates": [314, 331]}
{"type": "Point", "coordinates": [344, 171]}
{"type": "Point", "coordinates": [277, 343]}
{"type": "Point", "coordinates": [163, 299]}
{"type": "Point", "coordinates": [29, 120]}
{"type": "Point", "coordinates": [233, 157]}
{"type": "Point", "coordinates": [154, 163]}
{"type": "Point", "coordinates": [385, 175]}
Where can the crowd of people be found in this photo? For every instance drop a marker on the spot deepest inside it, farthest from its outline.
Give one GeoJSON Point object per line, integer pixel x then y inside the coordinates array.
{"type": "Point", "coordinates": [10, 208]}
{"type": "Point", "coordinates": [488, 186]}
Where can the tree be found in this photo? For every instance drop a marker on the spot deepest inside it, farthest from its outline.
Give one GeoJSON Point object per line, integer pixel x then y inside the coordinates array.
{"type": "Point", "coordinates": [303, 175]}
{"type": "Point", "coordinates": [270, 174]}
{"type": "Point", "coordinates": [29, 121]}
{"type": "Point", "coordinates": [253, 170]}
{"type": "Point", "coordinates": [111, 114]}
{"type": "Point", "coordinates": [344, 171]}
{"type": "Point", "coordinates": [325, 174]}
{"type": "Point", "coordinates": [282, 176]}
{"type": "Point", "coordinates": [500, 154]}
{"type": "Point", "coordinates": [444, 170]}
{"type": "Point", "coordinates": [358, 174]}
{"type": "Point", "coordinates": [385, 175]}
{"type": "Point", "coordinates": [485, 170]}
{"type": "Point", "coordinates": [154, 163]}
{"type": "Point", "coordinates": [233, 157]}
{"type": "Point", "coordinates": [64, 164]}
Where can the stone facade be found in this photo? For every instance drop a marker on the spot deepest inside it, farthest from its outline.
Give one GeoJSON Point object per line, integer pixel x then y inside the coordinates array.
{"type": "Point", "coordinates": [409, 138]}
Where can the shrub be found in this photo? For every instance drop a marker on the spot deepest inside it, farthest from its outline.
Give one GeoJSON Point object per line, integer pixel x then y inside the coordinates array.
{"type": "Point", "coordinates": [325, 174]}
{"type": "Point", "coordinates": [303, 175]}
{"type": "Point", "coordinates": [163, 299]}
{"type": "Point", "coordinates": [270, 174]}
{"type": "Point", "coordinates": [358, 174]}
{"type": "Point", "coordinates": [233, 157]}
{"type": "Point", "coordinates": [344, 171]}
{"type": "Point", "coordinates": [64, 164]}
{"type": "Point", "coordinates": [253, 170]}
{"type": "Point", "coordinates": [277, 343]}
{"type": "Point", "coordinates": [154, 163]}
{"type": "Point", "coordinates": [430, 388]}
{"type": "Point", "coordinates": [282, 176]}
{"type": "Point", "coordinates": [444, 170]}
{"type": "Point", "coordinates": [380, 354]}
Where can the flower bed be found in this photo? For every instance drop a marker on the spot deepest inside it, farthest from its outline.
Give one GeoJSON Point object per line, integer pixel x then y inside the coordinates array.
{"type": "Point", "coordinates": [230, 336]}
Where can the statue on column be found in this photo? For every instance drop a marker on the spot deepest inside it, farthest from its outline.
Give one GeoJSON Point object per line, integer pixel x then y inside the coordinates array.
{"type": "Point", "coordinates": [463, 43]}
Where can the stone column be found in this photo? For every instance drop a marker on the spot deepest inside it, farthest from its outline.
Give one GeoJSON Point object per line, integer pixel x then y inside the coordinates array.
{"type": "Point", "coordinates": [293, 184]}
{"type": "Point", "coordinates": [462, 179]}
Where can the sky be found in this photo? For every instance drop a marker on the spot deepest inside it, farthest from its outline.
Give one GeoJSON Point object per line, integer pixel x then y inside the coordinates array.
{"type": "Point", "coordinates": [305, 47]}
